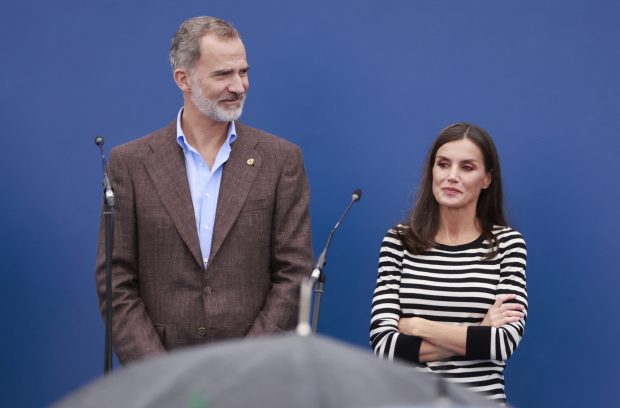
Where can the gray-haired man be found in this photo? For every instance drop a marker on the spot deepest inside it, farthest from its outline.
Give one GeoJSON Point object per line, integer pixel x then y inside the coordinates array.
{"type": "Point", "coordinates": [212, 227]}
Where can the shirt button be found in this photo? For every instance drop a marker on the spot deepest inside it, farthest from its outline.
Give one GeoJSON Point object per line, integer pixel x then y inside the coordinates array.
{"type": "Point", "coordinates": [202, 331]}
{"type": "Point", "coordinates": [205, 260]}
{"type": "Point", "coordinates": [206, 227]}
{"type": "Point", "coordinates": [208, 290]}
{"type": "Point", "coordinates": [207, 195]}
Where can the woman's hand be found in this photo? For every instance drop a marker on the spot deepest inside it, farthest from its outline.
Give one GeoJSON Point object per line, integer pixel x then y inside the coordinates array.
{"type": "Point", "coordinates": [502, 313]}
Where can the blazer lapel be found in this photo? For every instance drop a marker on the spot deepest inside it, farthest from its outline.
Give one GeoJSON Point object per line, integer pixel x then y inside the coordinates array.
{"type": "Point", "coordinates": [239, 173]}
{"type": "Point", "coordinates": [166, 168]}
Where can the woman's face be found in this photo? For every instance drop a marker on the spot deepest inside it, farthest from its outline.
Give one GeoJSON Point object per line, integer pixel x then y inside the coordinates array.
{"type": "Point", "coordinates": [459, 175]}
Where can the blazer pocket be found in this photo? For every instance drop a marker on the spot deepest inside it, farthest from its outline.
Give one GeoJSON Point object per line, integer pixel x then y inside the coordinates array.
{"type": "Point", "coordinates": [257, 204]}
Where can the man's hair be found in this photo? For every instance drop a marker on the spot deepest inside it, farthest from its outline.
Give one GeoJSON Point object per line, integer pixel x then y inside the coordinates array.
{"type": "Point", "coordinates": [185, 45]}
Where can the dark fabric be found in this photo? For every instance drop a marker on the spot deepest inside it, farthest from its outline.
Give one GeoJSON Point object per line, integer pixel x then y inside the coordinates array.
{"type": "Point", "coordinates": [275, 372]}
{"type": "Point", "coordinates": [478, 342]}
{"type": "Point", "coordinates": [408, 348]}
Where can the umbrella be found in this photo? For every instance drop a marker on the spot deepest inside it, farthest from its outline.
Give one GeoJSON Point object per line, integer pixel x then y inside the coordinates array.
{"type": "Point", "coordinates": [271, 371]}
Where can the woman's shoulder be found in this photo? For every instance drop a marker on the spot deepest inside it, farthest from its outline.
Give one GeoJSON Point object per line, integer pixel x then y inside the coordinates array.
{"type": "Point", "coordinates": [398, 230]}
{"type": "Point", "coordinates": [399, 227]}
{"type": "Point", "coordinates": [394, 234]}
{"type": "Point", "coordinates": [508, 236]}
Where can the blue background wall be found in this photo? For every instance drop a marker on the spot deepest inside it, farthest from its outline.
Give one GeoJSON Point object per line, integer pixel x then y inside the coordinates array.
{"type": "Point", "coordinates": [363, 87]}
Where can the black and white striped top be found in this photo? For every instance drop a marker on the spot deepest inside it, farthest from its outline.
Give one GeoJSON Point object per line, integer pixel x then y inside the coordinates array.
{"type": "Point", "coordinates": [454, 285]}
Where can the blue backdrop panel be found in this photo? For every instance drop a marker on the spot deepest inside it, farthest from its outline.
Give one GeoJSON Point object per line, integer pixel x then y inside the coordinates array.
{"type": "Point", "coordinates": [363, 87]}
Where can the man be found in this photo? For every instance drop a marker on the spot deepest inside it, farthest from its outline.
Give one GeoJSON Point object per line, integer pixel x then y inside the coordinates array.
{"type": "Point", "coordinates": [212, 227]}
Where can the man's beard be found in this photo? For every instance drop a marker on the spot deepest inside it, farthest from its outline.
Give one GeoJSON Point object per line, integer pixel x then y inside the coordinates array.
{"type": "Point", "coordinates": [210, 107]}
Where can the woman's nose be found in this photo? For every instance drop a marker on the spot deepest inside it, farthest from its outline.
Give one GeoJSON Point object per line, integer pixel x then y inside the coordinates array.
{"type": "Point", "coordinates": [453, 176]}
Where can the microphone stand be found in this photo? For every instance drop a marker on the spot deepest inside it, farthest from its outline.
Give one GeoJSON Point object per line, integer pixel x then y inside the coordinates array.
{"type": "Point", "coordinates": [107, 359]}
{"type": "Point", "coordinates": [317, 279]}
{"type": "Point", "coordinates": [108, 206]}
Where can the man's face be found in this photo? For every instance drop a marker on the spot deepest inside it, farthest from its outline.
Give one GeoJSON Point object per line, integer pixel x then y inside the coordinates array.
{"type": "Point", "coordinates": [219, 78]}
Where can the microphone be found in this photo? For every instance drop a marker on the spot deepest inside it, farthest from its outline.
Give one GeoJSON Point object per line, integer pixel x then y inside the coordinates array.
{"type": "Point", "coordinates": [320, 263]}
{"type": "Point", "coordinates": [109, 193]}
{"type": "Point", "coordinates": [107, 215]}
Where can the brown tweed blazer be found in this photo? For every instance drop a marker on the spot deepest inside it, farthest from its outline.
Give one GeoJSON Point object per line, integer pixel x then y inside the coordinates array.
{"type": "Point", "coordinates": [261, 249]}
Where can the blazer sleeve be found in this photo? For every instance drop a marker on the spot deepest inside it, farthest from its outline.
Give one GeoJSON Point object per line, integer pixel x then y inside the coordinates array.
{"type": "Point", "coordinates": [134, 336]}
{"type": "Point", "coordinates": [291, 248]}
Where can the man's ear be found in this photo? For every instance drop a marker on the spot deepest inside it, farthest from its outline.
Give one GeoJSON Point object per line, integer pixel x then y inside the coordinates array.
{"type": "Point", "coordinates": [182, 79]}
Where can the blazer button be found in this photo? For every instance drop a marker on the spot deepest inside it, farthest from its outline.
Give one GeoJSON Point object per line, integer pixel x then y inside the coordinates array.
{"type": "Point", "coordinates": [202, 331]}
{"type": "Point", "coordinates": [207, 290]}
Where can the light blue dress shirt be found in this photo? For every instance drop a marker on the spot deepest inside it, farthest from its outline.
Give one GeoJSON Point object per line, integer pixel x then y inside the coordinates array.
{"type": "Point", "coordinates": [204, 184]}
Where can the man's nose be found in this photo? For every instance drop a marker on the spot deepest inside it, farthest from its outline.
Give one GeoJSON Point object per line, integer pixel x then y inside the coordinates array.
{"type": "Point", "coordinates": [237, 84]}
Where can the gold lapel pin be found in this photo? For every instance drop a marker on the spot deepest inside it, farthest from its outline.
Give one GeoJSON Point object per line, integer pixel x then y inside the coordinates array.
{"type": "Point", "coordinates": [250, 162]}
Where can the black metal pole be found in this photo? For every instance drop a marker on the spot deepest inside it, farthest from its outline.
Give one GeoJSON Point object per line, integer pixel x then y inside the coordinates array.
{"type": "Point", "coordinates": [107, 215]}
{"type": "Point", "coordinates": [318, 291]}
{"type": "Point", "coordinates": [317, 279]}
{"type": "Point", "coordinates": [108, 206]}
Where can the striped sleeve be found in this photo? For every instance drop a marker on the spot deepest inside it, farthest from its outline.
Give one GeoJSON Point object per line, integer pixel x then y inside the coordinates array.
{"type": "Point", "coordinates": [385, 339]}
{"type": "Point", "coordinates": [492, 343]}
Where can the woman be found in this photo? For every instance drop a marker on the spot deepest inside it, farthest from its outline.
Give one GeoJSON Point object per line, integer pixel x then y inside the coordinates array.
{"type": "Point", "coordinates": [451, 291]}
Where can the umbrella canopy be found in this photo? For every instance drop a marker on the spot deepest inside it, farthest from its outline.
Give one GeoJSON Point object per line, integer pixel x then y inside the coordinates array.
{"type": "Point", "coordinates": [278, 371]}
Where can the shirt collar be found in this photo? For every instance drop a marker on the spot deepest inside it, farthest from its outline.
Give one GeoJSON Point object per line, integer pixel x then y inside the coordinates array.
{"type": "Point", "coordinates": [182, 141]}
